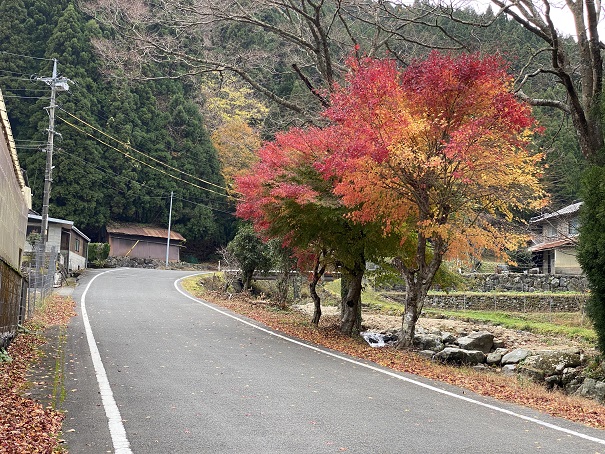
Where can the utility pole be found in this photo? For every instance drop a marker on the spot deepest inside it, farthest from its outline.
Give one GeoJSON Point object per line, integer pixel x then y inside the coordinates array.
{"type": "Point", "coordinates": [169, 222]}
{"type": "Point", "coordinates": [56, 84]}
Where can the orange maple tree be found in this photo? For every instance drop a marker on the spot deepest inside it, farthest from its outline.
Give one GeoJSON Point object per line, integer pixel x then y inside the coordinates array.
{"type": "Point", "coordinates": [440, 154]}
{"type": "Point", "coordinates": [437, 154]}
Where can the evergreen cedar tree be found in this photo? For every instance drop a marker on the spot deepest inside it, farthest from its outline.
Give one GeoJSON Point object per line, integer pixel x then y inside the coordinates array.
{"type": "Point", "coordinates": [591, 247]}
{"type": "Point", "coordinates": [438, 154]}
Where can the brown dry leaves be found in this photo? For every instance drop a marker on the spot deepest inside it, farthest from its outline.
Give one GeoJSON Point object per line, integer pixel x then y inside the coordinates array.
{"type": "Point", "coordinates": [510, 389]}
{"type": "Point", "coordinates": [25, 425]}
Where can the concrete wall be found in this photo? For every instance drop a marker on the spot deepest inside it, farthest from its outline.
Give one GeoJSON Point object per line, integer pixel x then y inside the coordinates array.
{"type": "Point", "coordinates": [54, 237]}
{"type": "Point", "coordinates": [76, 262]}
{"type": "Point", "coordinates": [566, 261]}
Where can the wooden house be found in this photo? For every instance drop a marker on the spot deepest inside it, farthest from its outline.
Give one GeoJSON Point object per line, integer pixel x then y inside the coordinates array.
{"type": "Point", "coordinates": [143, 241]}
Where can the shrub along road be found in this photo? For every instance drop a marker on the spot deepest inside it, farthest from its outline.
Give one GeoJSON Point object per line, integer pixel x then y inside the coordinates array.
{"type": "Point", "coordinates": [179, 375]}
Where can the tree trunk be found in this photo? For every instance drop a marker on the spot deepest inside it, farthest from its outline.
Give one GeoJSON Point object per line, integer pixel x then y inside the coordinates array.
{"type": "Point", "coordinates": [350, 321]}
{"type": "Point", "coordinates": [282, 288]}
{"type": "Point", "coordinates": [318, 272]}
{"type": "Point", "coordinates": [418, 281]}
{"type": "Point", "coordinates": [413, 307]}
{"type": "Point", "coordinates": [247, 280]}
{"type": "Point", "coordinates": [316, 301]}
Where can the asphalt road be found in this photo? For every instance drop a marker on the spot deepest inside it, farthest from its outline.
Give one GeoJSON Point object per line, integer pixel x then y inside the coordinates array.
{"type": "Point", "coordinates": [176, 375]}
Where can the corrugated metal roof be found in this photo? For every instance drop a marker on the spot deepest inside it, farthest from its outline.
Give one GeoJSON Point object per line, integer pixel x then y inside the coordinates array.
{"type": "Point", "coordinates": [37, 217]}
{"type": "Point", "coordinates": [569, 209]}
{"type": "Point", "coordinates": [552, 244]}
{"type": "Point", "coordinates": [142, 230]}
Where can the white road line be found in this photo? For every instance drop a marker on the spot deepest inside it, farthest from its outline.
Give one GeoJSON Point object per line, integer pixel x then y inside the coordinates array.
{"type": "Point", "coordinates": [395, 375]}
{"type": "Point", "coordinates": [116, 428]}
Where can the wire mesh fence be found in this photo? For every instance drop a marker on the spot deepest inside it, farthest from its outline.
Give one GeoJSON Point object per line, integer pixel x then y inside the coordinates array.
{"type": "Point", "coordinates": [21, 292]}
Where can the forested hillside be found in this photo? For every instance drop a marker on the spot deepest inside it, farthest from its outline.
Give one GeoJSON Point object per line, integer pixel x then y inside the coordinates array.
{"type": "Point", "coordinates": [134, 95]}
{"type": "Point", "coordinates": [95, 181]}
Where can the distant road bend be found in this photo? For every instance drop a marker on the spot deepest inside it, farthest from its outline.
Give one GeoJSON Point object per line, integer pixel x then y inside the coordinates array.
{"type": "Point", "coordinates": [151, 369]}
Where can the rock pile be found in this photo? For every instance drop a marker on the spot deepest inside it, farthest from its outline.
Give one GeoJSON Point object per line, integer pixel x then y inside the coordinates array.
{"type": "Point", "coordinates": [562, 369]}
{"type": "Point", "coordinates": [136, 262]}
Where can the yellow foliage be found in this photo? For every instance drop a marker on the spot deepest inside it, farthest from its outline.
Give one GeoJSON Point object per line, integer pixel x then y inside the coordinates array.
{"type": "Point", "coordinates": [236, 143]}
{"type": "Point", "coordinates": [228, 100]}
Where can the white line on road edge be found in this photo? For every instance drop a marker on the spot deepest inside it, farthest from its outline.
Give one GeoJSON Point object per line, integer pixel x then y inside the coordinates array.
{"type": "Point", "coordinates": [116, 428]}
{"type": "Point", "coordinates": [393, 374]}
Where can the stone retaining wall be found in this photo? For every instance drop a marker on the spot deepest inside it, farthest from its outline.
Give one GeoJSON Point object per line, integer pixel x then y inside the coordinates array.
{"type": "Point", "coordinates": [516, 282]}
{"type": "Point", "coordinates": [514, 303]}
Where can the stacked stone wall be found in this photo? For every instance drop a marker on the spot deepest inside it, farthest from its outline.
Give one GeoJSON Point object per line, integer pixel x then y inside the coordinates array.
{"type": "Point", "coordinates": [512, 303]}
{"type": "Point", "coordinates": [516, 282]}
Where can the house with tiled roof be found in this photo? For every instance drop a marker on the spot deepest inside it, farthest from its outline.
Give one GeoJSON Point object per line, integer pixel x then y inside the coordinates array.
{"type": "Point", "coordinates": [554, 239]}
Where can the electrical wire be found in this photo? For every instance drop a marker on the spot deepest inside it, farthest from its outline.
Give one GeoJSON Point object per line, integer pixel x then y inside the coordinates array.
{"type": "Point", "coordinates": [204, 205]}
{"type": "Point", "coordinates": [24, 56]}
{"type": "Point", "coordinates": [28, 147]}
{"type": "Point", "coordinates": [28, 89]}
{"type": "Point", "coordinates": [17, 75]}
{"type": "Point", "coordinates": [107, 173]}
{"type": "Point", "coordinates": [26, 97]}
{"type": "Point", "coordinates": [140, 152]}
{"type": "Point", "coordinates": [143, 162]}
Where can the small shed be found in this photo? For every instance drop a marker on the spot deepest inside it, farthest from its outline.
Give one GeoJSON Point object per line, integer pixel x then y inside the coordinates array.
{"type": "Point", "coordinates": [143, 241]}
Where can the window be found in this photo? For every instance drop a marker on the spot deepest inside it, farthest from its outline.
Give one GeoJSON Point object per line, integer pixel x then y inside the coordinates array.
{"type": "Point", "coordinates": [573, 226]}
{"type": "Point", "coordinates": [550, 231]}
{"type": "Point", "coordinates": [77, 245]}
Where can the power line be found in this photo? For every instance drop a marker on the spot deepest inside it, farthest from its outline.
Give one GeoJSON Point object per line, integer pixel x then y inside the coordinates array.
{"type": "Point", "coordinates": [143, 162]}
{"type": "Point", "coordinates": [140, 152]}
{"type": "Point", "coordinates": [141, 185]}
{"type": "Point", "coordinates": [26, 97]}
{"type": "Point", "coordinates": [110, 173]}
{"type": "Point", "coordinates": [27, 89]}
{"type": "Point", "coordinates": [24, 56]}
{"type": "Point", "coordinates": [29, 147]}
{"type": "Point", "coordinates": [204, 205]}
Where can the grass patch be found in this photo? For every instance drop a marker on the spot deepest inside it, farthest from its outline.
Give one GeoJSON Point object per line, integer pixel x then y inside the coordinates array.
{"type": "Point", "coordinates": [572, 325]}
{"type": "Point", "coordinates": [333, 287]}
{"type": "Point", "coordinates": [194, 285]}
{"type": "Point", "coordinates": [566, 324]}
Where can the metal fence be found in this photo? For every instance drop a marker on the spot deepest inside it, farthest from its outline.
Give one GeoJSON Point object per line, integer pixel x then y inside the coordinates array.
{"type": "Point", "coordinates": [11, 283]}
{"type": "Point", "coordinates": [20, 293]}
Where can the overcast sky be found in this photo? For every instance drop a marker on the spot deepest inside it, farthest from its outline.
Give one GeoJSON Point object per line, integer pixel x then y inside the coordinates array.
{"type": "Point", "coordinates": [560, 15]}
